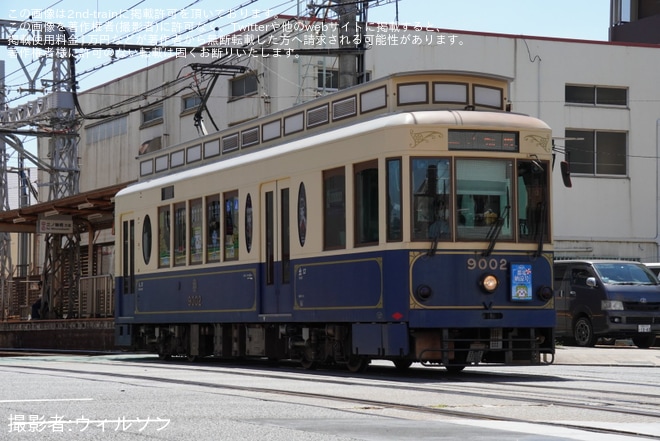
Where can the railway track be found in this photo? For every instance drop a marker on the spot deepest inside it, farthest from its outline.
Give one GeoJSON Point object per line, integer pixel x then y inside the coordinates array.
{"type": "Point", "coordinates": [510, 397]}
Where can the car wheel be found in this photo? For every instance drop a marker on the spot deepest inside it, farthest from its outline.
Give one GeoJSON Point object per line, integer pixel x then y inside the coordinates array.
{"type": "Point", "coordinates": [644, 341]}
{"type": "Point", "coordinates": [583, 332]}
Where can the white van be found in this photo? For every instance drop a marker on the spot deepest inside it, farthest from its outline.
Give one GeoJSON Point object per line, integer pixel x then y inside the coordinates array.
{"type": "Point", "coordinates": [612, 299]}
{"type": "Point", "coordinates": [655, 267]}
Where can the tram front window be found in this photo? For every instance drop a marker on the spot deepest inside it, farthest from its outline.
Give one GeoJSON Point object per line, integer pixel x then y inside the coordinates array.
{"type": "Point", "coordinates": [532, 196]}
{"type": "Point", "coordinates": [483, 198]}
{"type": "Point", "coordinates": [431, 186]}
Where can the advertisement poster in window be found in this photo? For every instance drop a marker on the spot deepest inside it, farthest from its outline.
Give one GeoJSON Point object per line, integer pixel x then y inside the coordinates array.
{"type": "Point", "coordinates": [521, 281]}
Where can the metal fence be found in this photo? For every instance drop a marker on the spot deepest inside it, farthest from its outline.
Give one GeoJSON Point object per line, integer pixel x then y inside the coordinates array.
{"type": "Point", "coordinates": [96, 297]}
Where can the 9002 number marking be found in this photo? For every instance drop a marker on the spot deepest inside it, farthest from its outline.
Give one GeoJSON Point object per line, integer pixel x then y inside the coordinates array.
{"type": "Point", "coordinates": [484, 264]}
{"type": "Point", "coordinates": [194, 300]}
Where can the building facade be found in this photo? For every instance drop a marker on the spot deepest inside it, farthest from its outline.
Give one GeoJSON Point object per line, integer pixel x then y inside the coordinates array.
{"type": "Point", "coordinates": [601, 99]}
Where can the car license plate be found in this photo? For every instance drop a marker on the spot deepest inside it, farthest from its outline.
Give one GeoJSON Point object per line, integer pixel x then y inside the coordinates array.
{"type": "Point", "coordinates": [643, 328]}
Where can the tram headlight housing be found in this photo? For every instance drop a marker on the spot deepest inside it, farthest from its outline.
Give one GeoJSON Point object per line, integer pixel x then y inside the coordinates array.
{"type": "Point", "coordinates": [423, 292]}
{"type": "Point", "coordinates": [489, 283]}
{"type": "Point", "coordinates": [545, 293]}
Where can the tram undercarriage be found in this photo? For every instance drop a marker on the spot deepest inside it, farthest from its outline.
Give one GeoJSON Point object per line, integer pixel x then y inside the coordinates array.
{"type": "Point", "coordinates": [341, 344]}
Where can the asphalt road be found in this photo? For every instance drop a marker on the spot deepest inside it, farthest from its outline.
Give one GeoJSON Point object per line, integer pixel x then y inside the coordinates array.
{"type": "Point", "coordinates": [114, 397]}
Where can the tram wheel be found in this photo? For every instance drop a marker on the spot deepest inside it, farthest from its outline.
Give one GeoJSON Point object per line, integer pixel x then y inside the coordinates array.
{"type": "Point", "coordinates": [357, 363]}
{"type": "Point", "coordinates": [454, 368]}
{"type": "Point", "coordinates": [402, 365]}
{"type": "Point", "coordinates": [308, 364]}
{"type": "Point", "coordinates": [308, 358]}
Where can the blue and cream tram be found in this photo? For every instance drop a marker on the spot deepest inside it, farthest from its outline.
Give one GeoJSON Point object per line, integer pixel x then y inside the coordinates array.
{"type": "Point", "coordinates": [405, 219]}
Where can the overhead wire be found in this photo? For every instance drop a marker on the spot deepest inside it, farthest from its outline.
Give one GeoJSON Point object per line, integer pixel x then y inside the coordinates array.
{"type": "Point", "coordinates": [102, 113]}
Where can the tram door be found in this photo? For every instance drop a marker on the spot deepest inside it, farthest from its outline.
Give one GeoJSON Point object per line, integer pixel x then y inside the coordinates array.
{"type": "Point", "coordinates": [276, 293]}
{"type": "Point", "coordinates": [125, 292]}
{"type": "Point", "coordinates": [128, 257]}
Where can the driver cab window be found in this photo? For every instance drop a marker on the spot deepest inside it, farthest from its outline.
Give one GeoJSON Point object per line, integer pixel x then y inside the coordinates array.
{"type": "Point", "coordinates": [431, 187]}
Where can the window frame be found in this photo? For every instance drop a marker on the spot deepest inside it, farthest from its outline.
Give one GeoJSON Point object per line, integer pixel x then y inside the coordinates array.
{"type": "Point", "coordinates": [189, 109]}
{"type": "Point", "coordinates": [572, 146]}
{"type": "Point", "coordinates": [331, 220]}
{"type": "Point", "coordinates": [572, 93]}
{"type": "Point", "coordinates": [164, 236]}
{"type": "Point", "coordinates": [362, 212]}
{"type": "Point", "coordinates": [152, 116]}
{"type": "Point", "coordinates": [230, 224]}
{"type": "Point", "coordinates": [247, 86]}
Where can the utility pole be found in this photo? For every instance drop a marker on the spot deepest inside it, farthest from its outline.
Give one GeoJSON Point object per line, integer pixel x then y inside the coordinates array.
{"type": "Point", "coordinates": [352, 23]}
{"type": "Point", "coordinates": [56, 111]}
{"type": "Point", "coordinates": [6, 269]}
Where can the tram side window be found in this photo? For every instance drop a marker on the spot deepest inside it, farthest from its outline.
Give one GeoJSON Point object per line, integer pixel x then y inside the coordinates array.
{"type": "Point", "coordinates": [366, 203]}
{"type": "Point", "coordinates": [164, 236]}
{"type": "Point", "coordinates": [180, 234]}
{"type": "Point", "coordinates": [394, 200]}
{"type": "Point", "coordinates": [231, 225]}
{"type": "Point", "coordinates": [334, 209]}
{"type": "Point", "coordinates": [483, 198]}
{"type": "Point", "coordinates": [213, 225]}
{"type": "Point", "coordinates": [431, 187]}
{"type": "Point", "coordinates": [196, 245]}
{"type": "Point", "coordinates": [532, 196]}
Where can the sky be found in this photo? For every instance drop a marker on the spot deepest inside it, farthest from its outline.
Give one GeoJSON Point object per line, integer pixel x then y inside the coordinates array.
{"type": "Point", "coordinates": [578, 19]}
{"type": "Point", "coordinates": [150, 21]}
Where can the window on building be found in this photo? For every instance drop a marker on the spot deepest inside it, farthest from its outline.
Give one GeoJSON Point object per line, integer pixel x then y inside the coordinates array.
{"type": "Point", "coordinates": [595, 152]}
{"type": "Point", "coordinates": [334, 209]}
{"type": "Point", "coordinates": [107, 129]}
{"type": "Point", "coordinates": [327, 79]}
{"type": "Point", "coordinates": [597, 95]}
{"type": "Point", "coordinates": [152, 115]}
{"type": "Point", "coordinates": [189, 103]}
{"type": "Point", "coordinates": [243, 86]}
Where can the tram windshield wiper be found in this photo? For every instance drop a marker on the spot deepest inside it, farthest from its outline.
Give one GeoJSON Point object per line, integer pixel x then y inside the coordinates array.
{"type": "Point", "coordinates": [495, 231]}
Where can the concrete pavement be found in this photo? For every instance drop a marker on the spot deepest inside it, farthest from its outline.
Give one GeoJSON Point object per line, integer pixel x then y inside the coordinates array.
{"type": "Point", "coordinates": [616, 355]}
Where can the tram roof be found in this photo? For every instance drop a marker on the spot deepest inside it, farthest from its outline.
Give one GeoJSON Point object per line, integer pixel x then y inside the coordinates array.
{"type": "Point", "coordinates": [450, 118]}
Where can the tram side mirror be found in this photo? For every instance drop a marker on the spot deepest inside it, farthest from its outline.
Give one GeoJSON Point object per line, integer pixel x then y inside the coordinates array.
{"type": "Point", "coordinates": [566, 174]}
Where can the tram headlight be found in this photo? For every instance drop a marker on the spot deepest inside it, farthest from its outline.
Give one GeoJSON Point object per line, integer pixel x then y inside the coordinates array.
{"type": "Point", "coordinates": [489, 283]}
